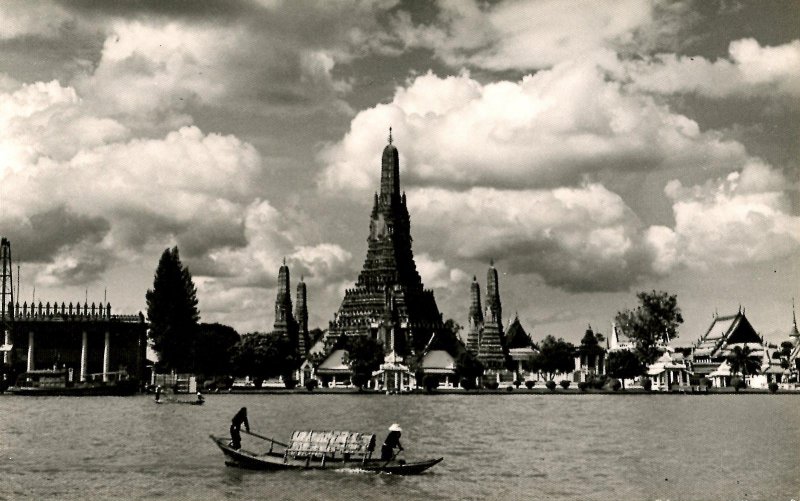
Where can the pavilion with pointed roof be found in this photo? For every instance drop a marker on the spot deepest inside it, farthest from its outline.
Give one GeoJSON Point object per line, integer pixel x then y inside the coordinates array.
{"type": "Point", "coordinates": [519, 344]}
{"type": "Point", "coordinates": [724, 333]}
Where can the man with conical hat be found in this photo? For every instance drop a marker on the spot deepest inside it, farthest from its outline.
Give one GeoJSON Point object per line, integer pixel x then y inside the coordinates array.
{"type": "Point", "coordinates": [391, 443]}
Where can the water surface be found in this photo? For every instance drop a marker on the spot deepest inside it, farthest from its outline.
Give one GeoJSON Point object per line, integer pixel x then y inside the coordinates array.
{"type": "Point", "coordinates": [496, 447]}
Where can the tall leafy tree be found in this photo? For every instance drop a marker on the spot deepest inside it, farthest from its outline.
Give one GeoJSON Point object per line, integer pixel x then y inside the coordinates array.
{"type": "Point", "coordinates": [213, 349]}
{"type": "Point", "coordinates": [624, 365]}
{"type": "Point", "coordinates": [743, 361]}
{"type": "Point", "coordinates": [468, 369]}
{"type": "Point", "coordinates": [172, 313]}
{"type": "Point", "coordinates": [263, 356]}
{"type": "Point", "coordinates": [653, 322]}
{"type": "Point", "coordinates": [364, 355]}
{"type": "Point", "coordinates": [554, 356]}
{"type": "Point", "coordinates": [590, 345]}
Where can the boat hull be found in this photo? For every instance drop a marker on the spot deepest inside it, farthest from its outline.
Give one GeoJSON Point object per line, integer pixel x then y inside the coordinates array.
{"type": "Point", "coordinates": [276, 461]}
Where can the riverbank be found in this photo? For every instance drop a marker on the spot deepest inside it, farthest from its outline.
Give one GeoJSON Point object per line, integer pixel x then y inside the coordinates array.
{"type": "Point", "coordinates": [515, 391]}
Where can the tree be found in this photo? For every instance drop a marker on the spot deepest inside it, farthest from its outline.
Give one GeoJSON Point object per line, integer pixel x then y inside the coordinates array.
{"type": "Point", "coordinates": [624, 365]}
{"type": "Point", "coordinates": [743, 361]}
{"type": "Point", "coordinates": [653, 322]}
{"type": "Point", "coordinates": [213, 349]}
{"type": "Point", "coordinates": [554, 356]}
{"type": "Point", "coordinates": [172, 313]}
{"type": "Point", "coordinates": [364, 355]}
{"type": "Point", "coordinates": [590, 348]}
{"type": "Point", "coordinates": [786, 349]}
{"type": "Point", "coordinates": [263, 356]}
{"type": "Point", "coordinates": [468, 369]}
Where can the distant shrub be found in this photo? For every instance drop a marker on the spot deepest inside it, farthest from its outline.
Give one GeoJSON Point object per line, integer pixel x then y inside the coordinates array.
{"type": "Point", "coordinates": [564, 383]}
{"type": "Point", "coordinates": [583, 385]}
{"type": "Point", "coordinates": [551, 385]}
{"type": "Point", "coordinates": [738, 383]}
{"type": "Point", "coordinates": [517, 383]}
{"type": "Point", "coordinates": [647, 384]}
{"type": "Point", "coordinates": [491, 385]}
{"type": "Point", "coordinates": [773, 387]}
{"type": "Point", "coordinates": [290, 383]}
{"type": "Point", "coordinates": [509, 388]}
{"type": "Point", "coordinates": [598, 382]}
{"type": "Point", "coordinates": [530, 384]}
{"type": "Point", "coordinates": [706, 383]}
{"type": "Point", "coordinates": [614, 384]}
{"type": "Point", "coordinates": [311, 384]}
{"type": "Point", "coordinates": [360, 379]}
{"type": "Point", "coordinates": [467, 383]}
{"type": "Point", "coordinates": [430, 382]}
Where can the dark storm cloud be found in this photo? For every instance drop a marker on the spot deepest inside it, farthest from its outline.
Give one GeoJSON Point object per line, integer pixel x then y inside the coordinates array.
{"type": "Point", "coordinates": [565, 269]}
{"type": "Point", "coordinates": [219, 10]}
{"type": "Point", "coordinates": [45, 234]}
{"type": "Point", "coordinates": [84, 266]}
{"type": "Point", "coordinates": [198, 239]}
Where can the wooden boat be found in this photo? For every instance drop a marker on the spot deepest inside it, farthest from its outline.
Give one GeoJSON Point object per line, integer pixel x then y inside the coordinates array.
{"type": "Point", "coordinates": [325, 451]}
{"type": "Point", "coordinates": [170, 400]}
{"type": "Point", "coordinates": [56, 382]}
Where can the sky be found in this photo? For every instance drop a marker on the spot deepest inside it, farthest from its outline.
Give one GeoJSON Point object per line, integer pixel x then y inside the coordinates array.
{"type": "Point", "coordinates": [591, 149]}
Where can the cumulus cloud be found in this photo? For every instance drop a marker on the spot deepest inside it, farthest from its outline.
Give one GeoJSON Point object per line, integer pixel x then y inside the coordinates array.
{"type": "Point", "coordinates": [78, 204]}
{"type": "Point", "coordinates": [436, 274]}
{"type": "Point", "coordinates": [575, 238]}
{"type": "Point", "coordinates": [743, 218]}
{"type": "Point", "coordinates": [40, 236]}
{"type": "Point", "coordinates": [554, 128]}
{"type": "Point", "coordinates": [24, 18]}
{"type": "Point", "coordinates": [750, 70]}
{"type": "Point", "coordinates": [524, 35]}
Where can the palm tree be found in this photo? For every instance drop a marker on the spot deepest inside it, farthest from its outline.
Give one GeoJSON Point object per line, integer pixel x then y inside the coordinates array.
{"type": "Point", "coordinates": [743, 361]}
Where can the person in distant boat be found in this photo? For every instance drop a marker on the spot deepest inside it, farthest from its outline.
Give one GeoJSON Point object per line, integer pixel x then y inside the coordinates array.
{"type": "Point", "coordinates": [236, 424]}
{"type": "Point", "coordinates": [158, 393]}
{"type": "Point", "coordinates": [200, 398]}
{"type": "Point", "coordinates": [391, 443]}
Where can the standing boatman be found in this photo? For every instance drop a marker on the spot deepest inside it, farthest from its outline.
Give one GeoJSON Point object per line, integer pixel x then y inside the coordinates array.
{"type": "Point", "coordinates": [236, 424]}
{"type": "Point", "coordinates": [392, 441]}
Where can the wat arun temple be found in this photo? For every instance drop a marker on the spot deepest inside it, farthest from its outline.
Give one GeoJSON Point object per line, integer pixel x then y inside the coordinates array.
{"type": "Point", "coordinates": [389, 302]}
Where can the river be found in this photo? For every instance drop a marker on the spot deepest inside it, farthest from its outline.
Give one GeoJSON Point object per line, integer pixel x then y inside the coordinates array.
{"type": "Point", "coordinates": [496, 447]}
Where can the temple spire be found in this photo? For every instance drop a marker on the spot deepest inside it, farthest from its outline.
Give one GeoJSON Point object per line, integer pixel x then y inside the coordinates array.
{"type": "Point", "coordinates": [795, 332]}
{"type": "Point", "coordinates": [390, 170]}
{"type": "Point", "coordinates": [301, 317]}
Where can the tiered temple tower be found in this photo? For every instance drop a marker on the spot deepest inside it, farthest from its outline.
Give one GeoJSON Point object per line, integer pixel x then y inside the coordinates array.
{"type": "Point", "coordinates": [301, 317]}
{"type": "Point", "coordinates": [389, 289]}
{"type": "Point", "coordinates": [485, 338]}
{"type": "Point", "coordinates": [475, 320]}
{"type": "Point", "coordinates": [491, 351]}
{"type": "Point", "coordinates": [285, 324]}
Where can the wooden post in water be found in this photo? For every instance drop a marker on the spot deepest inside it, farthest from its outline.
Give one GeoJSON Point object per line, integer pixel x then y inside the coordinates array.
{"type": "Point", "coordinates": [106, 356]}
{"type": "Point", "coordinates": [30, 351]}
{"type": "Point", "coordinates": [84, 354]}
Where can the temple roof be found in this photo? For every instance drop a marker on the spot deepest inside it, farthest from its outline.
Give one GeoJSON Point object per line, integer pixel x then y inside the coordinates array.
{"type": "Point", "coordinates": [438, 359]}
{"type": "Point", "coordinates": [516, 337]}
{"type": "Point", "coordinates": [723, 333]}
{"type": "Point", "coordinates": [334, 362]}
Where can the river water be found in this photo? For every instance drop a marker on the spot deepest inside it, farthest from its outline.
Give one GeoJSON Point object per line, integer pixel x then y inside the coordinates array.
{"type": "Point", "coordinates": [496, 447]}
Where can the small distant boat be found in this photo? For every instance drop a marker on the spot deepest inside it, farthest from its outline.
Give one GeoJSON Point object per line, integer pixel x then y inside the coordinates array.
{"type": "Point", "coordinates": [56, 382]}
{"type": "Point", "coordinates": [170, 400]}
{"type": "Point", "coordinates": [320, 450]}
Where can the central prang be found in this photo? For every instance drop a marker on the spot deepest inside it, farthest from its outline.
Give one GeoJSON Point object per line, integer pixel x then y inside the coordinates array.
{"type": "Point", "coordinates": [389, 295]}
